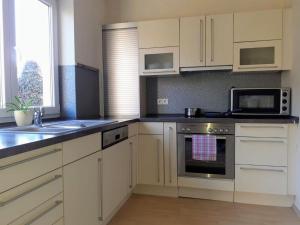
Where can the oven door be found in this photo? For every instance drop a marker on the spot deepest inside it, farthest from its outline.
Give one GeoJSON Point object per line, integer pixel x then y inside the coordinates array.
{"type": "Point", "coordinates": [255, 101]}
{"type": "Point", "coordinates": [223, 167]}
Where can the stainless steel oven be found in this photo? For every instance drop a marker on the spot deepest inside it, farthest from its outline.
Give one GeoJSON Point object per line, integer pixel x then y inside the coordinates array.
{"type": "Point", "coordinates": [222, 167]}
{"type": "Point", "coordinates": [261, 101]}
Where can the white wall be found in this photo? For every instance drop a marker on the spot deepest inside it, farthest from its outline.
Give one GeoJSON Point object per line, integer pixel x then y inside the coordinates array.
{"type": "Point", "coordinates": [134, 10]}
{"type": "Point", "coordinates": [292, 79]}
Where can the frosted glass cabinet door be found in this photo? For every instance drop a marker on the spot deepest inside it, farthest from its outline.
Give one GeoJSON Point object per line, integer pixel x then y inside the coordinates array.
{"type": "Point", "coordinates": [258, 56]}
{"type": "Point", "coordinates": [159, 61]}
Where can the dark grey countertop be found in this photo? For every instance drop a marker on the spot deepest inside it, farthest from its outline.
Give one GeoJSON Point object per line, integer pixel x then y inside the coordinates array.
{"type": "Point", "coordinates": [16, 143]}
{"type": "Point", "coordinates": [178, 118]}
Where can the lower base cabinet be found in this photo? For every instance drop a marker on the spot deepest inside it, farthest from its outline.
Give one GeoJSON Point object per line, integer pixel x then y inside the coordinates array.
{"type": "Point", "coordinates": [117, 179]}
{"type": "Point", "coordinates": [82, 191]}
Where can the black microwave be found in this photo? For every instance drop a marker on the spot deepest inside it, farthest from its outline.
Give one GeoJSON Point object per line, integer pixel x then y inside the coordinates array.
{"type": "Point", "coordinates": [261, 101]}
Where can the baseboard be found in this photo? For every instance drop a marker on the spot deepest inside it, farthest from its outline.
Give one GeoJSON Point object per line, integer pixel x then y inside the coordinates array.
{"type": "Point", "coordinates": [226, 196]}
{"type": "Point", "coordinates": [156, 190]}
{"type": "Point", "coordinates": [264, 199]}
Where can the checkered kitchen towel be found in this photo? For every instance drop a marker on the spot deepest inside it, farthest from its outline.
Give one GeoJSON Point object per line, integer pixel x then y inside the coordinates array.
{"type": "Point", "coordinates": [204, 147]}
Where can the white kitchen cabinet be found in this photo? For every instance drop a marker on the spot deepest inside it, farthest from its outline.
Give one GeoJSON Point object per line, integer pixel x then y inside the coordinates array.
{"type": "Point", "coordinates": [82, 191]}
{"type": "Point", "coordinates": [192, 41]}
{"type": "Point", "coordinates": [261, 179]}
{"type": "Point", "coordinates": [151, 160]}
{"type": "Point", "coordinates": [133, 161]}
{"type": "Point", "coordinates": [258, 56]}
{"type": "Point", "coordinates": [151, 128]}
{"type": "Point", "coordinates": [73, 149]}
{"type": "Point", "coordinates": [159, 61]}
{"type": "Point", "coordinates": [206, 41]}
{"type": "Point", "coordinates": [219, 40]}
{"type": "Point", "coordinates": [116, 177]}
{"type": "Point", "coordinates": [258, 25]}
{"type": "Point", "coordinates": [170, 154]}
{"type": "Point", "coordinates": [18, 169]}
{"type": "Point", "coordinates": [261, 130]}
{"type": "Point", "coordinates": [158, 33]}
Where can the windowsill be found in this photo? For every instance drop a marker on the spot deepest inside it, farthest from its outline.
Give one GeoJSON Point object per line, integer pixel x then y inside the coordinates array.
{"type": "Point", "coordinates": [7, 120]}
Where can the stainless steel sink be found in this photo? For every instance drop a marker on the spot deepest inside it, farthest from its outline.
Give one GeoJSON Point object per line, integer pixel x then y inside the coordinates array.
{"type": "Point", "coordinates": [57, 127]}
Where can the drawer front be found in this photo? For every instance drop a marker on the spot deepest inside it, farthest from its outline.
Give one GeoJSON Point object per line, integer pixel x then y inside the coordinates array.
{"type": "Point", "coordinates": [133, 129]}
{"type": "Point", "coordinates": [261, 179]}
{"type": "Point", "coordinates": [49, 213]}
{"type": "Point", "coordinates": [262, 130]}
{"type": "Point", "coordinates": [81, 147]}
{"type": "Point", "coordinates": [22, 199]}
{"type": "Point", "coordinates": [261, 151]}
{"type": "Point", "coordinates": [151, 128]}
{"type": "Point", "coordinates": [24, 167]}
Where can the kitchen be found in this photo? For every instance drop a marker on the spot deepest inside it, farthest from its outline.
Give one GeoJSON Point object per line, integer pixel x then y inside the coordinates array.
{"type": "Point", "coordinates": [199, 116]}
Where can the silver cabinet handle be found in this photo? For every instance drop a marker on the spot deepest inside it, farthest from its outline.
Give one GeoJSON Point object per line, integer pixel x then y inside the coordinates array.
{"type": "Point", "coordinates": [130, 165]}
{"type": "Point", "coordinates": [30, 159]}
{"type": "Point", "coordinates": [266, 141]}
{"type": "Point", "coordinates": [262, 169]}
{"type": "Point", "coordinates": [170, 154]}
{"type": "Point", "coordinates": [56, 177]}
{"type": "Point", "coordinates": [156, 72]}
{"type": "Point", "coordinates": [212, 24]}
{"type": "Point", "coordinates": [158, 161]}
{"type": "Point", "coordinates": [201, 40]}
{"type": "Point", "coordinates": [256, 67]}
{"type": "Point", "coordinates": [100, 189]}
{"type": "Point", "coordinates": [56, 204]}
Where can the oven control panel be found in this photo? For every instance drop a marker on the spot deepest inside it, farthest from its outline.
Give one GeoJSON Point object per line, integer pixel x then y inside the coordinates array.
{"type": "Point", "coordinates": [206, 128]}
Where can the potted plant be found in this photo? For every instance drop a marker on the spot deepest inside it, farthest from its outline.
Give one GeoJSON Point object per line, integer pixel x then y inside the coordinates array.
{"type": "Point", "coordinates": [22, 112]}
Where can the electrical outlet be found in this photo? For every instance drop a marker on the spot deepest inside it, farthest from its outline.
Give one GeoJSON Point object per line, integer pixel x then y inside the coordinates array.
{"type": "Point", "coordinates": [162, 101]}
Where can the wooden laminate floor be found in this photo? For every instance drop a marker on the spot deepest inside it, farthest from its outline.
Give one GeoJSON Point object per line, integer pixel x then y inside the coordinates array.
{"type": "Point", "coordinates": [149, 210]}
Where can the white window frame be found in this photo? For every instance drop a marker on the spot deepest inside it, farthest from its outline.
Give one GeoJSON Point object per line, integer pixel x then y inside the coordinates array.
{"type": "Point", "coordinates": [10, 58]}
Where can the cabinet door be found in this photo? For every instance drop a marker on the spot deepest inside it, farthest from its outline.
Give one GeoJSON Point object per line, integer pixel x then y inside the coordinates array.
{"type": "Point", "coordinates": [192, 41]}
{"type": "Point", "coordinates": [133, 145]}
{"type": "Point", "coordinates": [82, 186]}
{"type": "Point", "coordinates": [219, 40]}
{"type": "Point", "coordinates": [116, 178]}
{"type": "Point", "coordinates": [158, 33]}
{"type": "Point", "coordinates": [170, 154]}
{"type": "Point", "coordinates": [151, 162]}
{"type": "Point", "coordinates": [258, 26]}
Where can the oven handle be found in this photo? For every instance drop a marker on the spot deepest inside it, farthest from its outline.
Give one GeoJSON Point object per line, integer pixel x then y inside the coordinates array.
{"type": "Point", "coordinates": [218, 137]}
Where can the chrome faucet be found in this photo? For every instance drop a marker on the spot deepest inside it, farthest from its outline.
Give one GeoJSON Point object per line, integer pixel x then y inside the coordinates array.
{"type": "Point", "coordinates": [38, 117]}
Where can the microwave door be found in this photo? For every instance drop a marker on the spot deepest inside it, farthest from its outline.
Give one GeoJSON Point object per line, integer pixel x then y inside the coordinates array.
{"type": "Point", "coordinates": [256, 101]}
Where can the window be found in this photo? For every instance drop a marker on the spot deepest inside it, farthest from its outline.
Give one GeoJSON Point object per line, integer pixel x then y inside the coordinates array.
{"type": "Point", "coordinates": [2, 81]}
{"type": "Point", "coordinates": [31, 51]}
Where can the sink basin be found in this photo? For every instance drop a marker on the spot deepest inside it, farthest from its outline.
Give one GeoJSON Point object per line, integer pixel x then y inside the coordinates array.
{"type": "Point", "coordinates": [57, 127]}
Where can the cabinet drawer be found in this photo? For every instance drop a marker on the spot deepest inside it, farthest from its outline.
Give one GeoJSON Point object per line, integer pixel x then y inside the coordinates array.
{"type": "Point", "coordinates": [24, 167]}
{"type": "Point", "coordinates": [262, 130]}
{"type": "Point", "coordinates": [133, 129]}
{"type": "Point", "coordinates": [22, 199]}
{"type": "Point", "coordinates": [151, 128]}
{"type": "Point", "coordinates": [49, 213]}
{"type": "Point", "coordinates": [81, 147]}
{"type": "Point", "coordinates": [261, 179]}
{"type": "Point", "coordinates": [261, 151]}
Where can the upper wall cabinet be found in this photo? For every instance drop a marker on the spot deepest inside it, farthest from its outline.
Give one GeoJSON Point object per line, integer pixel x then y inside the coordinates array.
{"type": "Point", "coordinates": [206, 41]}
{"type": "Point", "coordinates": [258, 41]}
{"type": "Point", "coordinates": [158, 33]}
{"type": "Point", "coordinates": [159, 47]}
{"type": "Point", "coordinates": [258, 26]}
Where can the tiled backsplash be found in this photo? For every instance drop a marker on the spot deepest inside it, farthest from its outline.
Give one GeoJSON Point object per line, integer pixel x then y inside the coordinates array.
{"type": "Point", "coordinates": [206, 90]}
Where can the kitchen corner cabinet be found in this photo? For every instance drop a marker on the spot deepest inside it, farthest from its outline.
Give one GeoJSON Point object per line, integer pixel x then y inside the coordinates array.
{"type": "Point", "coordinates": [206, 41]}
{"type": "Point", "coordinates": [170, 154]}
{"type": "Point", "coordinates": [82, 191]}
